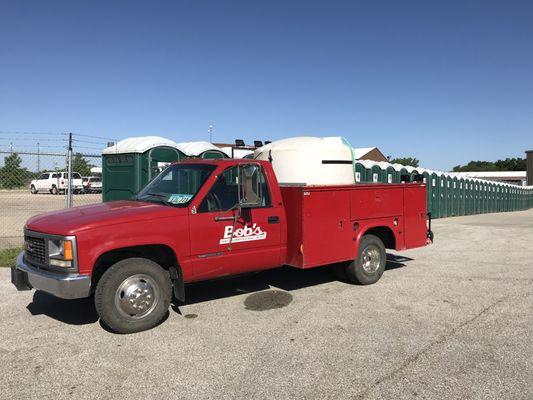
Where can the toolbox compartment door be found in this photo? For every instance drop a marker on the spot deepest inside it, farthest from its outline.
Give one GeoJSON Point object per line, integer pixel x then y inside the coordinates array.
{"type": "Point", "coordinates": [415, 218]}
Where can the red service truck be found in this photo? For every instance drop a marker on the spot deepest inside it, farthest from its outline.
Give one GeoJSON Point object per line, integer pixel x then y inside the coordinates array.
{"type": "Point", "coordinates": [206, 219]}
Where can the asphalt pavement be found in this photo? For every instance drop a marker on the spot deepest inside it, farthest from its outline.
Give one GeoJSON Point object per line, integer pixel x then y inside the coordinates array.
{"type": "Point", "coordinates": [450, 321]}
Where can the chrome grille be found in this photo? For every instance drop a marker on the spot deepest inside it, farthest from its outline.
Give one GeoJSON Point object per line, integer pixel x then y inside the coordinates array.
{"type": "Point", "coordinates": [35, 249]}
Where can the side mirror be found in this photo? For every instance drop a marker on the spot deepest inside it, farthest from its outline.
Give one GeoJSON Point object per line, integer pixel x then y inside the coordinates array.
{"type": "Point", "coordinates": [250, 188]}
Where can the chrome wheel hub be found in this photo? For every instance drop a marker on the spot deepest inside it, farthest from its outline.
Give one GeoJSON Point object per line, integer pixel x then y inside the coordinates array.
{"type": "Point", "coordinates": [137, 296]}
{"type": "Point", "coordinates": [371, 259]}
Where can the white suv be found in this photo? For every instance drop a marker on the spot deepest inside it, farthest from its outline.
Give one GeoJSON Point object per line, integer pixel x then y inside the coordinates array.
{"type": "Point", "coordinates": [56, 182]}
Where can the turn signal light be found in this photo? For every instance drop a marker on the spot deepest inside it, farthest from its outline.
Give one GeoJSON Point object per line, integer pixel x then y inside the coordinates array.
{"type": "Point", "coordinates": [68, 254]}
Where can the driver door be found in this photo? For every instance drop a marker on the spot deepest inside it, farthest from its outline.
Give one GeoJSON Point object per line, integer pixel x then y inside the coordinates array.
{"type": "Point", "coordinates": [227, 239]}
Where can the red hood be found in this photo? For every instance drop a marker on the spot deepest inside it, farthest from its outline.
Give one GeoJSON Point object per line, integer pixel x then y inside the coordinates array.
{"type": "Point", "coordinates": [72, 220]}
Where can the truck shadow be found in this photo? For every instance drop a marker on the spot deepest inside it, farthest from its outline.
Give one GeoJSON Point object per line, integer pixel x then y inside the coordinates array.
{"type": "Point", "coordinates": [72, 312]}
{"type": "Point", "coordinates": [82, 311]}
{"type": "Point", "coordinates": [284, 278]}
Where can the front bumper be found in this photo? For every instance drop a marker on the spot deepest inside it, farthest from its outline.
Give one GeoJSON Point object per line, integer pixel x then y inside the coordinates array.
{"type": "Point", "coordinates": [65, 286]}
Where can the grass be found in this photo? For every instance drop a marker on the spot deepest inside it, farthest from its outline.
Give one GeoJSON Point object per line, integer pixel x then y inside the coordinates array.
{"type": "Point", "coordinates": [9, 256]}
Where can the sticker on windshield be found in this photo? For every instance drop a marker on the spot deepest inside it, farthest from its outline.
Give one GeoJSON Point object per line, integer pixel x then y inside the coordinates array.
{"type": "Point", "coordinates": [177, 198]}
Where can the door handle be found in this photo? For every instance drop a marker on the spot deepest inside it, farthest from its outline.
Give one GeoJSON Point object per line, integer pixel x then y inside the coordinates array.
{"type": "Point", "coordinates": [274, 219]}
{"type": "Point", "coordinates": [224, 218]}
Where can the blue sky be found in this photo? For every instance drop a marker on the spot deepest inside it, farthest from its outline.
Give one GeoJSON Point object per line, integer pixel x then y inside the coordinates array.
{"type": "Point", "coordinates": [446, 82]}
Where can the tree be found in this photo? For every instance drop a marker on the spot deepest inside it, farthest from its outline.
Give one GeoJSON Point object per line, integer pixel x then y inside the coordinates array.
{"type": "Point", "coordinates": [413, 162]}
{"type": "Point", "coordinates": [12, 175]}
{"type": "Point", "coordinates": [81, 165]}
{"type": "Point", "coordinates": [509, 164]}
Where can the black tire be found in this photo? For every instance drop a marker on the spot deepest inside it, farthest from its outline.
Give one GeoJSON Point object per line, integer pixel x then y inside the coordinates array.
{"type": "Point", "coordinates": [54, 189]}
{"type": "Point", "coordinates": [33, 190]}
{"type": "Point", "coordinates": [125, 276]}
{"type": "Point", "coordinates": [362, 270]}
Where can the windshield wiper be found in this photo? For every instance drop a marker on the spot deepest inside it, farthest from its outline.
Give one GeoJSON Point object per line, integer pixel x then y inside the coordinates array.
{"type": "Point", "coordinates": [160, 198]}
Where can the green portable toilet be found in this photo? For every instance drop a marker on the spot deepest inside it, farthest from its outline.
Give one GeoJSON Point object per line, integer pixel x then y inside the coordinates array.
{"type": "Point", "coordinates": [435, 196]}
{"type": "Point", "coordinates": [390, 174]}
{"type": "Point", "coordinates": [131, 163]}
{"type": "Point", "coordinates": [498, 205]}
{"type": "Point", "coordinates": [455, 196]}
{"type": "Point", "coordinates": [449, 190]}
{"type": "Point", "coordinates": [461, 196]}
{"type": "Point", "coordinates": [426, 179]}
{"type": "Point", "coordinates": [201, 149]}
{"type": "Point", "coordinates": [492, 188]}
{"type": "Point", "coordinates": [376, 172]}
{"type": "Point", "coordinates": [467, 195]}
{"type": "Point", "coordinates": [359, 173]}
{"type": "Point", "coordinates": [405, 176]}
{"type": "Point", "coordinates": [483, 197]}
{"type": "Point", "coordinates": [506, 200]}
{"type": "Point", "coordinates": [443, 211]}
{"type": "Point", "coordinates": [397, 170]}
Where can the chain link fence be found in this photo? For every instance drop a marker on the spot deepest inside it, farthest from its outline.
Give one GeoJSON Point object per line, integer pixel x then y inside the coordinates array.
{"type": "Point", "coordinates": [35, 181]}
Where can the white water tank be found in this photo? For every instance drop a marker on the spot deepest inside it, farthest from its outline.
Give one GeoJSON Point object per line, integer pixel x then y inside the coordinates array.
{"type": "Point", "coordinates": [309, 160]}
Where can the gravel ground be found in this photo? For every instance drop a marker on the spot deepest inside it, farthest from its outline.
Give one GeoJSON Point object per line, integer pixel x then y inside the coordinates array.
{"type": "Point", "coordinates": [452, 320]}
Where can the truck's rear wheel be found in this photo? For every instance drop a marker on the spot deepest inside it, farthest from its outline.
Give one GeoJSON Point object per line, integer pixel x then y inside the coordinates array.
{"type": "Point", "coordinates": [54, 190]}
{"type": "Point", "coordinates": [33, 190]}
{"type": "Point", "coordinates": [133, 295]}
{"type": "Point", "coordinates": [370, 263]}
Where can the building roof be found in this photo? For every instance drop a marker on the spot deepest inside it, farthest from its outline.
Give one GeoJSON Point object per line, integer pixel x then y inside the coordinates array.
{"type": "Point", "coordinates": [492, 174]}
{"type": "Point", "coordinates": [360, 152]}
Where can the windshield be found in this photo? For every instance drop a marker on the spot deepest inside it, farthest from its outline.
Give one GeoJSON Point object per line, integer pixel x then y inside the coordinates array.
{"type": "Point", "coordinates": [176, 185]}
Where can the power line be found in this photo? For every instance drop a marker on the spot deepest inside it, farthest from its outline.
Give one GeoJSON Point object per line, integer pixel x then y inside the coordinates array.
{"type": "Point", "coordinates": [32, 140]}
{"type": "Point", "coordinates": [93, 137]}
{"type": "Point", "coordinates": [30, 133]}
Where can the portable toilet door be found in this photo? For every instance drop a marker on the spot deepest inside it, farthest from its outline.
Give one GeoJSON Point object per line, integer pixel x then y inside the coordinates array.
{"type": "Point", "coordinates": [449, 190]}
{"type": "Point", "coordinates": [391, 175]}
{"type": "Point", "coordinates": [495, 187]}
{"type": "Point", "coordinates": [443, 197]}
{"type": "Point", "coordinates": [499, 194]}
{"type": "Point", "coordinates": [490, 205]}
{"type": "Point", "coordinates": [429, 189]}
{"type": "Point", "coordinates": [467, 196]}
{"type": "Point", "coordinates": [359, 173]}
{"type": "Point", "coordinates": [435, 196]}
{"type": "Point", "coordinates": [483, 203]}
{"type": "Point", "coordinates": [455, 196]}
{"type": "Point", "coordinates": [461, 206]}
{"type": "Point", "coordinates": [413, 174]}
{"type": "Point", "coordinates": [405, 176]}
{"type": "Point", "coordinates": [158, 158]}
{"type": "Point", "coordinates": [376, 173]}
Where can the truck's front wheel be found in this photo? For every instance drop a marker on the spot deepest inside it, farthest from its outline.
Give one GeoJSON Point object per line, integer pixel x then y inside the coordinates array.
{"type": "Point", "coordinates": [133, 295]}
{"type": "Point", "coordinates": [370, 263]}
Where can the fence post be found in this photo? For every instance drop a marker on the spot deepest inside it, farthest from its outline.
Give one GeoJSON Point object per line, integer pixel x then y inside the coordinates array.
{"type": "Point", "coordinates": [69, 171]}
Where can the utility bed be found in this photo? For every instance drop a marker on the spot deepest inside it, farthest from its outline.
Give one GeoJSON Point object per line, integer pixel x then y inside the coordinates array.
{"type": "Point", "coordinates": [324, 222]}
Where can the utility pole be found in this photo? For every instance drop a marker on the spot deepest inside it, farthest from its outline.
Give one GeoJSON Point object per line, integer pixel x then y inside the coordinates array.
{"type": "Point", "coordinates": [210, 131]}
{"type": "Point", "coordinates": [11, 147]}
{"type": "Point", "coordinates": [69, 171]}
{"type": "Point", "coordinates": [38, 157]}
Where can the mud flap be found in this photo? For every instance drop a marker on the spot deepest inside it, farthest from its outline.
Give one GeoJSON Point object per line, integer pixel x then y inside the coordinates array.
{"type": "Point", "coordinates": [177, 283]}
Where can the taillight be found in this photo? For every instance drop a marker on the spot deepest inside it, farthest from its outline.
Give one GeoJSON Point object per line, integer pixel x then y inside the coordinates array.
{"type": "Point", "coordinates": [62, 182]}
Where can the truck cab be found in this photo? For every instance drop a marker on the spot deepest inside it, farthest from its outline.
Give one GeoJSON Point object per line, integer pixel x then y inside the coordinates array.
{"type": "Point", "coordinates": [206, 219]}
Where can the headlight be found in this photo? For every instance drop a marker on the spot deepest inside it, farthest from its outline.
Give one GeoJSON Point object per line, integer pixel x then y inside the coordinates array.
{"type": "Point", "coordinates": [60, 252]}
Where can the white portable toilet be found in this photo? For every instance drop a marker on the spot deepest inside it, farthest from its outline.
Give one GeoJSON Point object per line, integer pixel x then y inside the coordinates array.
{"type": "Point", "coordinates": [310, 160]}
